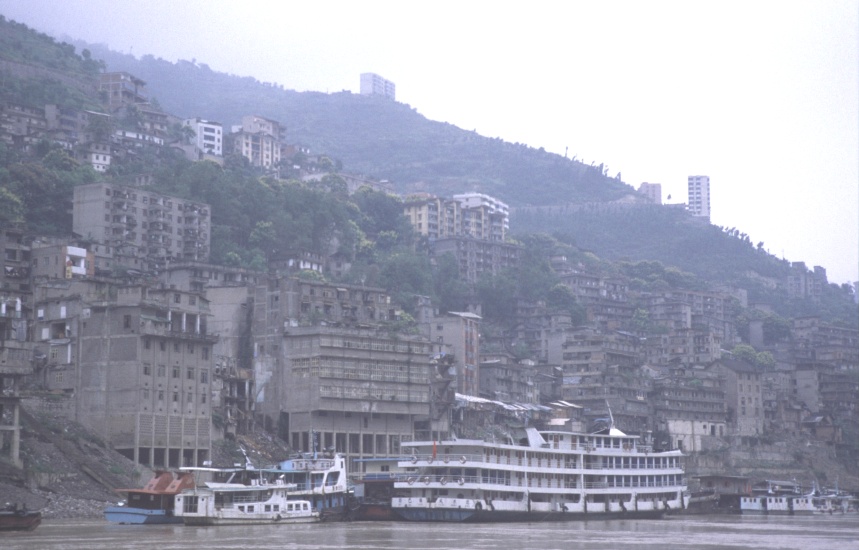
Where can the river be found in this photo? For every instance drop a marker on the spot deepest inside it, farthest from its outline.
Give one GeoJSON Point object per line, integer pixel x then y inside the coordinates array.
{"type": "Point", "coordinates": [687, 532]}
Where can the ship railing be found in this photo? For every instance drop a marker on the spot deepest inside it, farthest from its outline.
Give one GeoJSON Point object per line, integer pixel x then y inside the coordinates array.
{"type": "Point", "coordinates": [632, 484]}
{"type": "Point", "coordinates": [440, 458]}
{"type": "Point", "coordinates": [422, 480]}
{"type": "Point", "coordinates": [631, 467]}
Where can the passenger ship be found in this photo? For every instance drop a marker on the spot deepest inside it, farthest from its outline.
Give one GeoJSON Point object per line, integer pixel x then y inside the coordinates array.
{"type": "Point", "coordinates": [546, 476]}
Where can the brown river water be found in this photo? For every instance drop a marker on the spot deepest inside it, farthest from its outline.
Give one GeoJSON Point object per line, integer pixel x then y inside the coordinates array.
{"type": "Point", "coordinates": [690, 532]}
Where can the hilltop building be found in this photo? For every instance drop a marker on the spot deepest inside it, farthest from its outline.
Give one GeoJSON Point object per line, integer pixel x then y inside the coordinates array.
{"type": "Point", "coordinates": [699, 196]}
{"type": "Point", "coordinates": [652, 191]}
{"type": "Point", "coordinates": [373, 84]}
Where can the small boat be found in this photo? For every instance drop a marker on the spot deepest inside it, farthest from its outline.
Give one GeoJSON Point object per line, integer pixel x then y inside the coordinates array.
{"type": "Point", "coordinates": [777, 498]}
{"type": "Point", "coordinates": [240, 504]}
{"type": "Point", "coordinates": [374, 489]}
{"type": "Point", "coordinates": [153, 504]}
{"type": "Point", "coordinates": [19, 518]}
{"type": "Point", "coordinates": [544, 476]}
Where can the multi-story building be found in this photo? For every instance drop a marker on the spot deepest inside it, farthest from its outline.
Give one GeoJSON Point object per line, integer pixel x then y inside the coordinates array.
{"type": "Point", "coordinates": [476, 257]}
{"type": "Point", "coordinates": [324, 363]}
{"type": "Point", "coordinates": [804, 283]}
{"type": "Point", "coordinates": [461, 331]}
{"type": "Point", "coordinates": [470, 215]}
{"type": "Point", "coordinates": [259, 140]}
{"type": "Point", "coordinates": [653, 191]}
{"type": "Point", "coordinates": [699, 196]}
{"type": "Point", "coordinates": [53, 259]}
{"type": "Point", "coordinates": [362, 390]}
{"type": "Point", "coordinates": [601, 372]}
{"type": "Point", "coordinates": [508, 381]}
{"type": "Point", "coordinates": [139, 229]}
{"type": "Point", "coordinates": [15, 267]}
{"type": "Point", "coordinates": [121, 89]}
{"type": "Point", "coordinates": [487, 205]}
{"type": "Point", "coordinates": [689, 406]}
{"type": "Point", "coordinates": [373, 84]}
{"type": "Point", "coordinates": [208, 136]}
{"type": "Point", "coordinates": [743, 395]}
{"type": "Point", "coordinates": [137, 362]}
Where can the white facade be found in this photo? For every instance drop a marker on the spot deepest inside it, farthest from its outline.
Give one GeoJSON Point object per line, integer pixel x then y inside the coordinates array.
{"type": "Point", "coordinates": [373, 84]}
{"type": "Point", "coordinates": [699, 196]}
{"type": "Point", "coordinates": [474, 200]}
{"type": "Point", "coordinates": [209, 139]}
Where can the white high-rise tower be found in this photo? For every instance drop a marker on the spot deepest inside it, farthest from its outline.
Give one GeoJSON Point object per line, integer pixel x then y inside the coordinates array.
{"type": "Point", "coordinates": [699, 196]}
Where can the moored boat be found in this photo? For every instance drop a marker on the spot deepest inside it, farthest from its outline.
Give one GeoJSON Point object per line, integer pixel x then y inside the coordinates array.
{"type": "Point", "coordinates": [19, 518]}
{"type": "Point", "coordinates": [239, 504]}
{"type": "Point", "coordinates": [152, 504]}
{"type": "Point", "coordinates": [545, 476]}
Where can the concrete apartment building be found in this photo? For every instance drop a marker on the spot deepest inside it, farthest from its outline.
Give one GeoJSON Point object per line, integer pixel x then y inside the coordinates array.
{"type": "Point", "coordinates": [460, 331]}
{"type": "Point", "coordinates": [121, 88]}
{"type": "Point", "coordinates": [208, 136]}
{"type": "Point", "coordinates": [138, 229]}
{"type": "Point", "coordinates": [470, 215]}
{"type": "Point", "coordinates": [743, 396]}
{"type": "Point", "coordinates": [653, 192]}
{"type": "Point", "coordinates": [373, 84]}
{"type": "Point", "coordinates": [324, 363]}
{"type": "Point", "coordinates": [137, 362]}
{"type": "Point", "coordinates": [259, 140]}
{"type": "Point", "coordinates": [699, 196]}
{"type": "Point", "coordinates": [689, 407]}
{"type": "Point", "coordinates": [476, 257]}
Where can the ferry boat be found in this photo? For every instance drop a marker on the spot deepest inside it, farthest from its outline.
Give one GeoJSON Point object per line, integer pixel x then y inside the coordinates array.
{"type": "Point", "coordinates": [318, 478]}
{"type": "Point", "coordinates": [545, 476]}
{"type": "Point", "coordinates": [153, 504]}
{"type": "Point", "coordinates": [240, 504]}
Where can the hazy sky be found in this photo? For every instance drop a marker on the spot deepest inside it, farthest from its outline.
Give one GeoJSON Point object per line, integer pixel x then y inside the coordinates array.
{"type": "Point", "coordinates": [762, 96]}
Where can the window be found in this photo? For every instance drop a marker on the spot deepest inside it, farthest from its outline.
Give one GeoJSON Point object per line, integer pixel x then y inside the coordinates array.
{"type": "Point", "coordinates": [203, 398]}
{"type": "Point", "coordinates": [160, 395]}
{"type": "Point", "coordinates": [147, 369]}
{"type": "Point", "coordinates": [147, 343]}
{"type": "Point", "coordinates": [126, 321]}
{"type": "Point", "coordinates": [204, 376]}
{"type": "Point", "coordinates": [163, 345]}
{"type": "Point", "coordinates": [189, 374]}
{"type": "Point", "coordinates": [162, 370]}
{"type": "Point", "coordinates": [175, 372]}
{"type": "Point", "coordinates": [205, 352]}
{"type": "Point", "coordinates": [175, 397]}
{"type": "Point", "coordinates": [192, 300]}
{"type": "Point", "coordinates": [177, 298]}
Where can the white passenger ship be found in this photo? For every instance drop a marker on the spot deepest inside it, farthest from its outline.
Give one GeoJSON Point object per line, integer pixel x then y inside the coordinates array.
{"type": "Point", "coordinates": [546, 476]}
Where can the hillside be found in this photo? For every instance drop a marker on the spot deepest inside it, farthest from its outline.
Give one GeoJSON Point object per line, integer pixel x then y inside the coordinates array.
{"type": "Point", "coordinates": [389, 140]}
{"type": "Point", "coordinates": [380, 138]}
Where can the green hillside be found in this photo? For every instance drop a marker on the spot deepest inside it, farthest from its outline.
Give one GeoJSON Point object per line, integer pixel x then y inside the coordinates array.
{"type": "Point", "coordinates": [376, 137]}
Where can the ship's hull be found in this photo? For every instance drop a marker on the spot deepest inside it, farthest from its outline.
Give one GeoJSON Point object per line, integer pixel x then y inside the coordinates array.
{"type": "Point", "coordinates": [139, 516]}
{"type": "Point", "coordinates": [490, 516]}
{"type": "Point", "coordinates": [20, 520]}
{"type": "Point", "coordinates": [267, 519]}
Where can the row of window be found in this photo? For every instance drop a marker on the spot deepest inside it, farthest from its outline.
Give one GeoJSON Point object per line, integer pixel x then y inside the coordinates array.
{"type": "Point", "coordinates": [176, 372]}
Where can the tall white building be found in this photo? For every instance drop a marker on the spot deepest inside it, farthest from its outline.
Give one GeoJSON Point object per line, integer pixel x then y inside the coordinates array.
{"type": "Point", "coordinates": [209, 135]}
{"type": "Point", "coordinates": [373, 84]}
{"type": "Point", "coordinates": [699, 196]}
{"type": "Point", "coordinates": [474, 200]}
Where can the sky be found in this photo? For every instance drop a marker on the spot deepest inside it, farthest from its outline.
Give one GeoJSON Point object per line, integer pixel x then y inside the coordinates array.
{"type": "Point", "coordinates": [761, 96]}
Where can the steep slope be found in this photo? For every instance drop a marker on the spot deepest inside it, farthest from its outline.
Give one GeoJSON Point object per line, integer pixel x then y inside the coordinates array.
{"type": "Point", "coordinates": [373, 136]}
